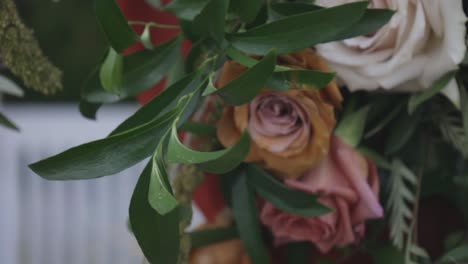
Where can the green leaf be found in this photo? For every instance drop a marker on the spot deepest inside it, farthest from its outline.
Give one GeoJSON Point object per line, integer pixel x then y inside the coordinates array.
{"type": "Point", "coordinates": [244, 88]}
{"type": "Point", "coordinates": [284, 80]}
{"type": "Point", "coordinates": [300, 31]}
{"type": "Point", "coordinates": [383, 122]}
{"type": "Point", "coordinates": [4, 121]}
{"type": "Point", "coordinates": [376, 158]}
{"type": "Point", "coordinates": [387, 255]}
{"type": "Point", "coordinates": [186, 9]}
{"type": "Point", "coordinates": [455, 255]}
{"type": "Point", "coordinates": [7, 86]}
{"type": "Point", "coordinates": [282, 10]}
{"type": "Point", "coordinates": [212, 236]}
{"type": "Point", "coordinates": [145, 37]}
{"type": "Point", "coordinates": [211, 20]}
{"type": "Point", "coordinates": [219, 162]}
{"type": "Point", "coordinates": [282, 197]}
{"type": "Point", "coordinates": [245, 212]}
{"type": "Point", "coordinates": [351, 127]}
{"type": "Point", "coordinates": [111, 71]}
{"type": "Point", "coordinates": [160, 104]}
{"type": "Point", "coordinates": [142, 70]}
{"type": "Point", "coordinates": [106, 156]}
{"type": "Point", "coordinates": [88, 110]}
{"type": "Point", "coordinates": [199, 129]}
{"type": "Point", "coordinates": [419, 98]}
{"type": "Point", "coordinates": [248, 9]}
{"type": "Point", "coordinates": [464, 110]}
{"type": "Point", "coordinates": [401, 131]}
{"type": "Point", "coordinates": [157, 235]}
{"type": "Point", "coordinates": [119, 34]}
{"type": "Point", "coordinates": [160, 195]}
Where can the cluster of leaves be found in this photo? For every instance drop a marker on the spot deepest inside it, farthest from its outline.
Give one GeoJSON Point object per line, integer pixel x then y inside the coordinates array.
{"type": "Point", "coordinates": [222, 29]}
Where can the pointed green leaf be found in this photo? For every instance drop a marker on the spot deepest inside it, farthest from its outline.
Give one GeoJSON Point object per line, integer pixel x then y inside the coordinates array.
{"type": "Point", "coordinates": [300, 31]}
{"type": "Point", "coordinates": [4, 121]}
{"type": "Point", "coordinates": [9, 87]}
{"type": "Point", "coordinates": [142, 70]}
{"type": "Point", "coordinates": [207, 237]}
{"type": "Point", "coordinates": [110, 73]}
{"type": "Point", "coordinates": [245, 212]}
{"type": "Point", "coordinates": [220, 161]}
{"type": "Point", "coordinates": [401, 131]}
{"type": "Point", "coordinates": [248, 9]}
{"type": "Point", "coordinates": [211, 20]}
{"type": "Point", "coordinates": [455, 255]}
{"type": "Point", "coordinates": [106, 156]}
{"type": "Point", "coordinates": [282, 197]}
{"type": "Point", "coordinates": [119, 34]}
{"type": "Point", "coordinates": [157, 235]}
{"type": "Point", "coordinates": [160, 194]}
{"type": "Point", "coordinates": [160, 104]}
{"type": "Point", "coordinates": [419, 98]}
{"type": "Point", "coordinates": [302, 79]}
{"type": "Point", "coordinates": [244, 88]}
{"type": "Point", "coordinates": [199, 129]}
{"type": "Point", "coordinates": [186, 9]}
{"type": "Point", "coordinates": [351, 127]}
{"type": "Point", "coordinates": [89, 110]}
{"type": "Point", "coordinates": [282, 10]}
{"type": "Point", "coordinates": [376, 158]}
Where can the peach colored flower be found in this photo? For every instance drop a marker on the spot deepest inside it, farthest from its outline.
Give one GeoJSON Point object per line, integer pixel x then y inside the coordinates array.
{"type": "Point", "coordinates": [347, 183]}
{"type": "Point", "coordinates": [290, 130]}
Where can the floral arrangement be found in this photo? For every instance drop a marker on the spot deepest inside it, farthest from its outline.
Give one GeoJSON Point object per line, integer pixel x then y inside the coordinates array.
{"type": "Point", "coordinates": [323, 129]}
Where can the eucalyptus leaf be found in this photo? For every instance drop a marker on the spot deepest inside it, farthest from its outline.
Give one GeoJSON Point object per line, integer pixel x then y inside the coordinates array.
{"type": "Point", "coordinates": [142, 70]}
{"type": "Point", "coordinates": [282, 197]}
{"type": "Point", "coordinates": [160, 104]}
{"type": "Point", "coordinates": [186, 9]}
{"type": "Point", "coordinates": [118, 33]}
{"type": "Point", "coordinates": [351, 127]}
{"type": "Point", "coordinates": [220, 161]}
{"type": "Point", "coordinates": [4, 121]}
{"type": "Point", "coordinates": [299, 31]}
{"type": "Point", "coordinates": [401, 131]}
{"type": "Point", "coordinates": [160, 195]}
{"type": "Point", "coordinates": [211, 20]}
{"type": "Point", "coordinates": [419, 98]}
{"type": "Point", "coordinates": [245, 87]}
{"type": "Point", "coordinates": [245, 212]}
{"type": "Point", "coordinates": [157, 235]}
{"type": "Point", "coordinates": [106, 156]}
{"type": "Point", "coordinates": [207, 237]}
{"type": "Point", "coordinates": [110, 73]}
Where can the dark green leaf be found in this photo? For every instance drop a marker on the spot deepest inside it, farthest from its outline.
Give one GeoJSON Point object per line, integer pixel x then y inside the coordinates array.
{"type": "Point", "coordinates": [388, 255]}
{"type": "Point", "coordinates": [157, 235]}
{"type": "Point", "coordinates": [456, 255]}
{"type": "Point", "coordinates": [110, 73]}
{"type": "Point", "coordinates": [376, 158]}
{"type": "Point", "coordinates": [145, 37]}
{"type": "Point", "coordinates": [282, 197]}
{"type": "Point", "coordinates": [464, 109]}
{"type": "Point", "coordinates": [300, 31]}
{"type": "Point", "coordinates": [199, 129]}
{"type": "Point", "coordinates": [419, 98]}
{"type": "Point", "coordinates": [351, 127]}
{"type": "Point", "coordinates": [298, 253]}
{"type": "Point", "coordinates": [281, 10]}
{"type": "Point", "coordinates": [244, 88]}
{"type": "Point", "coordinates": [248, 9]}
{"type": "Point", "coordinates": [383, 122]}
{"type": "Point", "coordinates": [401, 131]}
{"type": "Point", "coordinates": [142, 70]}
{"type": "Point", "coordinates": [211, 21]}
{"type": "Point", "coordinates": [89, 110]}
{"type": "Point", "coordinates": [106, 156]}
{"type": "Point", "coordinates": [119, 34]}
{"type": "Point", "coordinates": [285, 80]}
{"type": "Point", "coordinates": [4, 121]}
{"type": "Point", "coordinates": [212, 236]}
{"type": "Point", "coordinates": [160, 195]}
{"type": "Point", "coordinates": [160, 104]}
{"type": "Point", "coordinates": [186, 9]}
{"type": "Point", "coordinates": [220, 161]}
{"type": "Point", "coordinates": [245, 212]}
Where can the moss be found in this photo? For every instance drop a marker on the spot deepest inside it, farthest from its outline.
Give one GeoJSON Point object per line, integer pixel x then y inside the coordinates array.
{"type": "Point", "coordinates": [21, 54]}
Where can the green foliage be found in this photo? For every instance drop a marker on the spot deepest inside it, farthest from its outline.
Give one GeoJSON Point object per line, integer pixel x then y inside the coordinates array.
{"type": "Point", "coordinates": [211, 236]}
{"type": "Point", "coordinates": [4, 121]}
{"type": "Point", "coordinates": [351, 127]}
{"type": "Point", "coordinates": [111, 71]}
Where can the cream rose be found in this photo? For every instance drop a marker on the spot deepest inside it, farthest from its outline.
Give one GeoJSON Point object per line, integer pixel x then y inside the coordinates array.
{"type": "Point", "coordinates": [424, 40]}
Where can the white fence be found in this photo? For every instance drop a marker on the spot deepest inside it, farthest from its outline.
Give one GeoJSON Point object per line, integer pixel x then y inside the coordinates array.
{"type": "Point", "coordinates": [73, 222]}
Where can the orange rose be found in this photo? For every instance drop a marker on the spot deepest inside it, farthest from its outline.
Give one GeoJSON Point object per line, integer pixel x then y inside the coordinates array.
{"type": "Point", "coordinates": [290, 130]}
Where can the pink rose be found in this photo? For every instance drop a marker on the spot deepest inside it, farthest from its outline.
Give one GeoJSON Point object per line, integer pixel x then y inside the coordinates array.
{"type": "Point", "coordinates": [347, 183]}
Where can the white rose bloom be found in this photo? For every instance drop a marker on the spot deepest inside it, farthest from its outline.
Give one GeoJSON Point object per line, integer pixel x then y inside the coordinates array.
{"type": "Point", "coordinates": [424, 40]}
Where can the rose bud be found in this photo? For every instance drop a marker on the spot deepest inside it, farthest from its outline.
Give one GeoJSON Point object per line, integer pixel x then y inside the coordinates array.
{"type": "Point", "coordinates": [290, 130]}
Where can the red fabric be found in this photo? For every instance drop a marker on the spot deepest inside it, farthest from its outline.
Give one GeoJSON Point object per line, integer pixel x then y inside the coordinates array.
{"type": "Point", "coordinates": [138, 10]}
